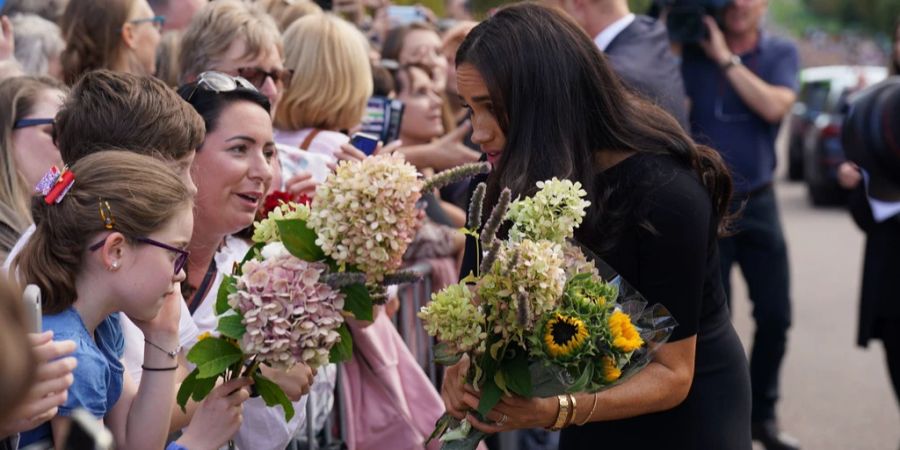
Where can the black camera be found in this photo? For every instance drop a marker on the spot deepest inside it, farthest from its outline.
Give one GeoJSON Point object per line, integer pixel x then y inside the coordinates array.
{"type": "Point", "coordinates": [684, 18]}
{"type": "Point", "coordinates": [871, 135]}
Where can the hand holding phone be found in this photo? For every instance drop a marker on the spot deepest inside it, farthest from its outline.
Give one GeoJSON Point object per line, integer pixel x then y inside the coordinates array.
{"type": "Point", "coordinates": [366, 143]}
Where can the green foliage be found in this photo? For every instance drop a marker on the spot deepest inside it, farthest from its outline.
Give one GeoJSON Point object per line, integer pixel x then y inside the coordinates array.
{"type": "Point", "coordinates": [213, 355]}
{"type": "Point", "coordinates": [232, 327]}
{"type": "Point", "coordinates": [300, 240]}
{"type": "Point", "coordinates": [358, 301]}
{"type": "Point", "coordinates": [343, 350]}
{"type": "Point", "coordinates": [225, 289]}
{"type": "Point", "coordinates": [272, 394]}
{"type": "Point", "coordinates": [193, 387]}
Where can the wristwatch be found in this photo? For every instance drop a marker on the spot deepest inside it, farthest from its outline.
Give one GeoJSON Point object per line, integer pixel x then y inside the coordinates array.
{"type": "Point", "coordinates": [733, 61]}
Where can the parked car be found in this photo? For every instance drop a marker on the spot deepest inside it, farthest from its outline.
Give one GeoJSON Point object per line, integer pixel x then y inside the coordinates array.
{"type": "Point", "coordinates": [822, 151]}
{"type": "Point", "coordinates": [820, 90]}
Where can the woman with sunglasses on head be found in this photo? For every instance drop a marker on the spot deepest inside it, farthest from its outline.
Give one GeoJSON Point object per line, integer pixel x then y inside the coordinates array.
{"type": "Point", "coordinates": [120, 35]}
{"type": "Point", "coordinates": [545, 103]}
{"type": "Point", "coordinates": [232, 171]}
{"type": "Point", "coordinates": [26, 121]}
{"type": "Point", "coordinates": [111, 237]}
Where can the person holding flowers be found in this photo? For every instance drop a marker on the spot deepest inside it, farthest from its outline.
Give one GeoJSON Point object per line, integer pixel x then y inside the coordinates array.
{"type": "Point", "coordinates": [545, 104]}
{"type": "Point", "coordinates": [232, 171]}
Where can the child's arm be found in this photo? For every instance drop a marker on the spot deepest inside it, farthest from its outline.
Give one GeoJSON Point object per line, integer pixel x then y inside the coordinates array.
{"type": "Point", "coordinates": [141, 417]}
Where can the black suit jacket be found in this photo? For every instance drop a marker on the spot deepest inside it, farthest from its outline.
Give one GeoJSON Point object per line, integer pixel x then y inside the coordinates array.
{"type": "Point", "coordinates": [880, 296]}
{"type": "Point", "coordinates": [641, 56]}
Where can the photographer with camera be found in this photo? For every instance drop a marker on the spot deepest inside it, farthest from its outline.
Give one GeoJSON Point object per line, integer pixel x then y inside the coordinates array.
{"type": "Point", "coordinates": [742, 82]}
{"type": "Point", "coordinates": [874, 178]}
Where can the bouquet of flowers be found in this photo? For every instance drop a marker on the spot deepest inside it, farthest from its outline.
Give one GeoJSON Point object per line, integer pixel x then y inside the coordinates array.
{"type": "Point", "coordinates": [310, 266]}
{"type": "Point", "coordinates": [537, 319]}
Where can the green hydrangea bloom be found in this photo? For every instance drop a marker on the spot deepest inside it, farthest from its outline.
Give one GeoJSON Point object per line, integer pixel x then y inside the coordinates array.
{"type": "Point", "coordinates": [529, 271]}
{"type": "Point", "coordinates": [266, 230]}
{"type": "Point", "coordinates": [454, 319]}
{"type": "Point", "coordinates": [552, 214]}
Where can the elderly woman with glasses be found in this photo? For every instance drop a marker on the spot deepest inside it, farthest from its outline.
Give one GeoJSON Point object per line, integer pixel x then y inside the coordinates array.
{"type": "Point", "coordinates": [26, 121]}
{"type": "Point", "coordinates": [120, 35]}
{"type": "Point", "coordinates": [232, 171]}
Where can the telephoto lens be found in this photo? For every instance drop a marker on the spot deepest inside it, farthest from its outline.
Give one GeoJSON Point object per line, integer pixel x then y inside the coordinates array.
{"type": "Point", "coordinates": [871, 136]}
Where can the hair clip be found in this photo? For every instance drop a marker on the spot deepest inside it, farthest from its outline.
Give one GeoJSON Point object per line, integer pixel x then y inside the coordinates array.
{"type": "Point", "coordinates": [106, 215]}
{"type": "Point", "coordinates": [55, 184]}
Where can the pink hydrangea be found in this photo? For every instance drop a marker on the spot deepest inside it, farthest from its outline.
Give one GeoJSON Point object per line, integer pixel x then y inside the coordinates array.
{"type": "Point", "coordinates": [289, 315]}
{"type": "Point", "coordinates": [364, 214]}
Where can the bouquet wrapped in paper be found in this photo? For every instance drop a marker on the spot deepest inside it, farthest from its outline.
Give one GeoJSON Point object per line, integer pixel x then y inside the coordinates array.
{"type": "Point", "coordinates": [540, 317]}
{"type": "Point", "coordinates": [309, 268]}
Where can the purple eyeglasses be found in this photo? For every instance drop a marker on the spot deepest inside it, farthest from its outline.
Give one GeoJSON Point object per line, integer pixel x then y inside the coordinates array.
{"type": "Point", "coordinates": [180, 261]}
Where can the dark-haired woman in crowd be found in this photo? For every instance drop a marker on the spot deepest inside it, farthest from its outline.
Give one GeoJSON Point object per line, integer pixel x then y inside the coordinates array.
{"type": "Point", "coordinates": [545, 103]}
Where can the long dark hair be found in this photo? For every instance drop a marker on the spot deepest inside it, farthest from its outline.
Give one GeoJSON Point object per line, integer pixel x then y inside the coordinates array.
{"type": "Point", "coordinates": [558, 102]}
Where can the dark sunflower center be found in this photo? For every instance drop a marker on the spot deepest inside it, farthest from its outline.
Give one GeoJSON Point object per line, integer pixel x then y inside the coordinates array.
{"type": "Point", "coordinates": [563, 332]}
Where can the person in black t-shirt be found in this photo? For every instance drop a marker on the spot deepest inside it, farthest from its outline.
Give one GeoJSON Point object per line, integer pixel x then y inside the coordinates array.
{"type": "Point", "coordinates": [543, 105]}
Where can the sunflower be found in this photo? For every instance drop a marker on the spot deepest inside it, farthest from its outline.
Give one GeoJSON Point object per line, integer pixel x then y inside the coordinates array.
{"type": "Point", "coordinates": [625, 335]}
{"type": "Point", "coordinates": [610, 371]}
{"type": "Point", "coordinates": [564, 334]}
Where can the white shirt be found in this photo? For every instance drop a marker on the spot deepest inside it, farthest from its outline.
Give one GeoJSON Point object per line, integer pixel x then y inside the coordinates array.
{"type": "Point", "coordinates": [609, 33]}
{"type": "Point", "coordinates": [264, 427]}
{"type": "Point", "coordinates": [134, 337]}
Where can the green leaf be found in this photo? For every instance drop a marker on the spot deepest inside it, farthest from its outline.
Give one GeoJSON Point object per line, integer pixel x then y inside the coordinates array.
{"type": "Point", "coordinates": [445, 356]}
{"type": "Point", "coordinates": [300, 240]}
{"type": "Point", "coordinates": [227, 287]}
{"type": "Point", "coordinates": [203, 387]}
{"type": "Point", "coordinates": [500, 381]}
{"type": "Point", "coordinates": [358, 301]}
{"type": "Point", "coordinates": [441, 426]}
{"type": "Point", "coordinates": [186, 389]}
{"type": "Point", "coordinates": [583, 380]}
{"type": "Point", "coordinates": [251, 254]}
{"type": "Point", "coordinates": [272, 394]}
{"type": "Point", "coordinates": [231, 326]}
{"type": "Point", "coordinates": [490, 396]}
{"type": "Point", "coordinates": [343, 350]}
{"type": "Point", "coordinates": [518, 377]}
{"type": "Point", "coordinates": [213, 355]}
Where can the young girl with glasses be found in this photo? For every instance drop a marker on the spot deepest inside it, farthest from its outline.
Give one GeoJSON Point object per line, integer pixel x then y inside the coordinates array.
{"type": "Point", "coordinates": [115, 242]}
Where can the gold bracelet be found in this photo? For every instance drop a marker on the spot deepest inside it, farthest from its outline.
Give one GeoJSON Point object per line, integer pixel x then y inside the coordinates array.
{"type": "Point", "coordinates": [563, 414]}
{"type": "Point", "coordinates": [574, 410]}
{"type": "Point", "coordinates": [590, 414]}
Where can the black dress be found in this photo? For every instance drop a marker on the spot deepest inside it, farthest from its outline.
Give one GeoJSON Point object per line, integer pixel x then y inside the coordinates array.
{"type": "Point", "coordinates": [665, 246]}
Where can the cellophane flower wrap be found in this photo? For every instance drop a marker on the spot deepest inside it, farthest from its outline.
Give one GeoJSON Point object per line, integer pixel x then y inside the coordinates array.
{"type": "Point", "coordinates": [550, 317]}
{"type": "Point", "coordinates": [310, 267]}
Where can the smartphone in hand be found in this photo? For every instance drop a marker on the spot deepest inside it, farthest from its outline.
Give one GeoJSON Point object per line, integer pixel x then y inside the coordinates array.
{"type": "Point", "coordinates": [366, 143]}
{"type": "Point", "coordinates": [32, 298]}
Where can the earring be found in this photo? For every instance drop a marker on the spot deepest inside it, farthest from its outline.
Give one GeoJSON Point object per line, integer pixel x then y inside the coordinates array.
{"type": "Point", "coordinates": [114, 266]}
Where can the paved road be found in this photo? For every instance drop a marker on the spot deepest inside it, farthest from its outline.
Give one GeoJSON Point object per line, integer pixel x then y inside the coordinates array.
{"type": "Point", "coordinates": [835, 395]}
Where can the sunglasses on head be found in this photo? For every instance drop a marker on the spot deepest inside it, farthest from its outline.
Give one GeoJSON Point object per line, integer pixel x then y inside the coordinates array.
{"type": "Point", "coordinates": [258, 75]}
{"type": "Point", "coordinates": [219, 82]}
{"type": "Point", "coordinates": [25, 123]}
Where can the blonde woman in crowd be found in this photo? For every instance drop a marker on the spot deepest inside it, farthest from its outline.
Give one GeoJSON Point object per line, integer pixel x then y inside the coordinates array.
{"type": "Point", "coordinates": [331, 83]}
{"type": "Point", "coordinates": [120, 35]}
{"type": "Point", "coordinates": [26, 121]}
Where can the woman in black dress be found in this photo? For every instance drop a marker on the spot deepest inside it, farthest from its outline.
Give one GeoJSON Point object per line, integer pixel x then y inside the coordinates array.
{"type": "Point", "coordinates": [544, 103]}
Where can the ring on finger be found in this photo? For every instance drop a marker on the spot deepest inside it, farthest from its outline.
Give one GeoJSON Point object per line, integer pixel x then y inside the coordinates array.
{"type": "Point", "coordinates": [502, 420]}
